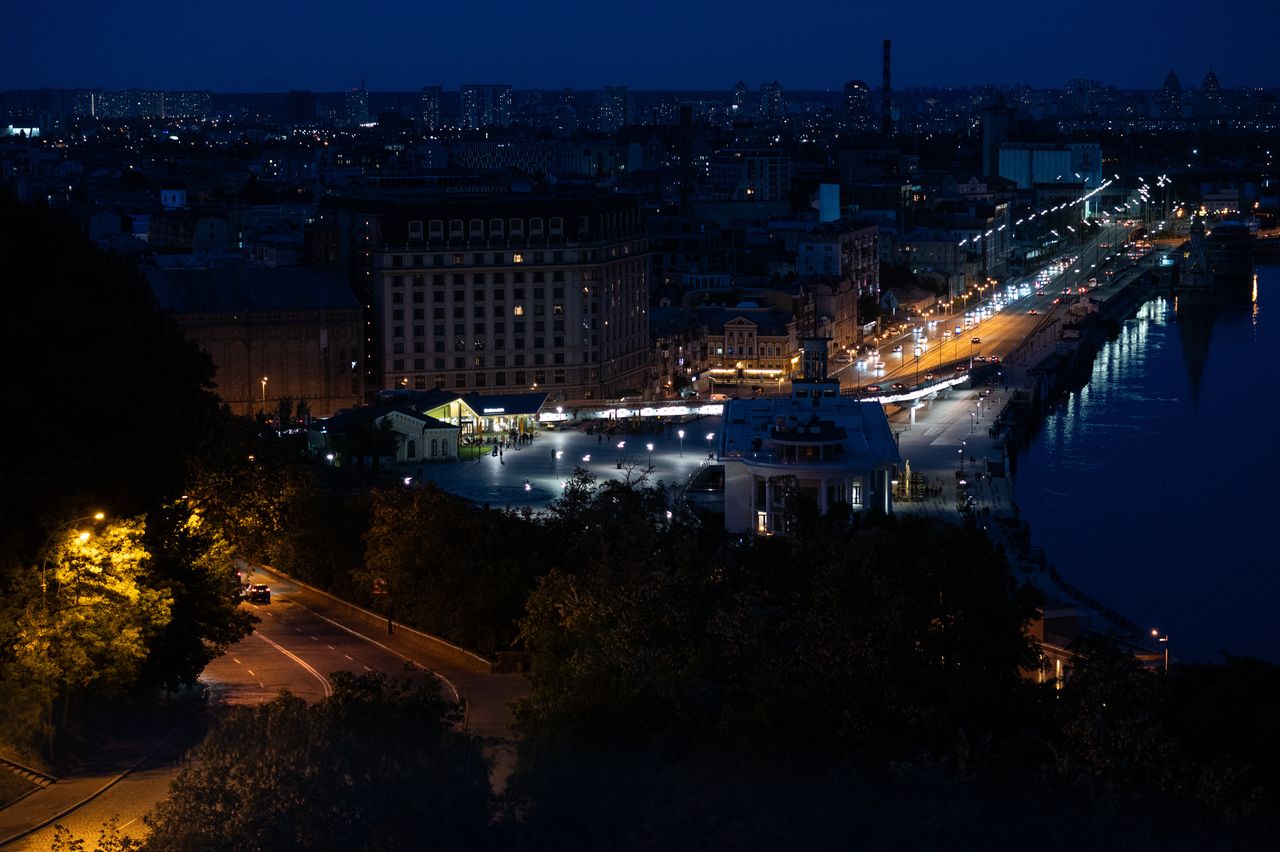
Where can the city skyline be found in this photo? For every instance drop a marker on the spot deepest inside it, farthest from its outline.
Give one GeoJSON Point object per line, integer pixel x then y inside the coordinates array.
{"type": "Point", "coordinates": [816, 46]}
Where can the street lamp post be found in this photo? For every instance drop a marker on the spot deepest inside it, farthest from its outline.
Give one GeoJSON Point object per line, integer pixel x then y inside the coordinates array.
{"type": "Point", "coordinates": [681, 434]}
{"type": "Point", "coordinates": [264, 395]}
{"type": "Point", "coordinates": [649, 447]}
{"type": "Point", "coordinates": [1163, 640]}
{"type": "Point", "coordinates": [44, 565]}
{"type": "Point", "coordinates": [710, 435]}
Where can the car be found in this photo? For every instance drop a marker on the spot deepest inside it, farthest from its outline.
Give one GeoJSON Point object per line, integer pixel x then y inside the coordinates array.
{"type": "Point", "coordinates": [981, 358]}
{"type": "Point", "coordinates": [1033, 312]}
{"type": "Point", "coordinates": [961, 368]}
{"type": "Point", "coordinates": [873, 389]}
{"type": "Point", "coordinates": [897, 350]}
{"type": "Point", "coordinates": [994, 360]}
{"type": "Point", "coordinates": [259, 593]}
{"type": "Point", "coordinates": [976, 340]}
{"type": "Point", "coordinates": [928, 377]}
{"type": "Point", "coordinates": [899, 386]}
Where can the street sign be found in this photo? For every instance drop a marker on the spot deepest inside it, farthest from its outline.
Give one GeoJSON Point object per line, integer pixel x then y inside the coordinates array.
{"type": "Point", "coordinates": [379, 585]}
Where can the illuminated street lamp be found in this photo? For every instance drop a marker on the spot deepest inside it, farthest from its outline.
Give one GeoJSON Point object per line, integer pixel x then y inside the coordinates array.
{"type": "Point", "coordinates": [681, 434]}
{"type": "Point", "coordinates": [1163, 640]}
{"type": "Point", "coordinates": [710, 435]}
{"type": "Point", "coordinates": [264, 394]}
{"type": "Point", "coordinates": [83, 537]}
{"type": "Point", "coordinates": [649, 447]}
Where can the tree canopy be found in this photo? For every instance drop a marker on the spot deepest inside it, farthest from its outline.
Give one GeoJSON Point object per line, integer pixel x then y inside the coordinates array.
{"type": "Point", "coordinates": [377, 765]}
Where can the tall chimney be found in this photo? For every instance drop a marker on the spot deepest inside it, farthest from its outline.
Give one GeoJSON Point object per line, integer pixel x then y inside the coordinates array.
{"type": "Point", "coordinates": [886, 104]}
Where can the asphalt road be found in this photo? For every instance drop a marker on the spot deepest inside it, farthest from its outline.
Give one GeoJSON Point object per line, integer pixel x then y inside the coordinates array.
{"type": "Point", "coordinates": [998, 334]}
{"type": "Point", "coordinates": [301, 639]}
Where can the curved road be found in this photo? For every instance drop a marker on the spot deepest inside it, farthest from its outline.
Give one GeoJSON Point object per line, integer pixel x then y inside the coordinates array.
{"type": "Point", "coordinates": [301, 638]}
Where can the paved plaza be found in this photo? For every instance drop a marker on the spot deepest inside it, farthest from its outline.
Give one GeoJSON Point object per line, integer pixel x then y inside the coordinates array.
{"type": "Point", "coordinates": [534, 474]}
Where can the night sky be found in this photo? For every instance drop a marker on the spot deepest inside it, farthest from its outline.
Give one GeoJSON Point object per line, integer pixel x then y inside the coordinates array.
{"type": "Point", "coordinates": [235, 45]}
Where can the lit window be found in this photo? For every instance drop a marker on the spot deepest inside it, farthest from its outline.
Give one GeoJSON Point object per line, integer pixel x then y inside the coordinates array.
{"type": "Point", "coordinates": [517, 258]}
{"type": "Point", "coordinates": [518, 310]}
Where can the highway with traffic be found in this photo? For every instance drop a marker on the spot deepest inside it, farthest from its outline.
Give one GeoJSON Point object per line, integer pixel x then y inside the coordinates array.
{"type": "Point", "coordinates": [990, 322]}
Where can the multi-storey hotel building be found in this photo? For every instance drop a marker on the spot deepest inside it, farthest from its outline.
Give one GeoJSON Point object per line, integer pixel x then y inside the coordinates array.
{"type": "Point", "coordinates": [497, 293]}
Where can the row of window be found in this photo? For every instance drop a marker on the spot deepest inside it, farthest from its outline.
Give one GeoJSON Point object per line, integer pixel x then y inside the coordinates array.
{"type": "Point", "coordinates": [459, 296]}
{"type": "Point", "coordinates": [480, 362]}
{"type": "Point", "coordinates": [499, 330]}
{"type": "Point", "coordinates": [399, 262]}
{"type": "Point", "coordinates": [519, 378]}
{"type": "Point", "coordinates": [498, 228]}
{"type": "Point", "coordinates": [478, 311]}
{"type": "Point", "coordinates": [498, 258]}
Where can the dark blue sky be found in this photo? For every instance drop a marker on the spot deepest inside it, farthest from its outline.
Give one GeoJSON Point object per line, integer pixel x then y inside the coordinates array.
{"type": "Point", "coordinates": [236, 45]}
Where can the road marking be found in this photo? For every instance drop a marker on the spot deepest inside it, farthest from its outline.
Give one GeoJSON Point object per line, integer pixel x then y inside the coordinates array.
{"type": "Point", "coordinates": [127, 824]}
{"type": "Point", "coordinates": [366, 668]}
{"type": "Point", "coordinates": [331, 648]}
{"type": "Point", "coordinates": [328, 688]}
{"type": "Point", "coordinates": [457, 696]}
{"type": "Point", "coordinates": [251, 674]}
{"type": "Point", "coordinates": [237, 662]}
{"type": "Point", "coordinates": [349, 657]}
{"type": "Point", "coordinates": [297, 630]}
{"type": "Point", "coordinates": [314, 639]}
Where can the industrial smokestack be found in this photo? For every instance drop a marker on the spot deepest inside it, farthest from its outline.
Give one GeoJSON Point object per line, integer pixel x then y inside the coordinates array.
{"type": "Point", "coordinates": [886, 103]}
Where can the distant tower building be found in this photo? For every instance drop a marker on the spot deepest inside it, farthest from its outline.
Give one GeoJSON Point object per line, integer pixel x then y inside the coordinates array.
{"type": "Point", "coordinates": [772, 107]}
{"type": "Point", "coordinates": [431, 108]}
{"type": "Point", "coordinates": [613, 109]}
{"type": "Point", "coordinates": [484, 106]}
{"type": "Point", "coordinates": [300, 107]}
{"type": "Point", "coordinates": [564, 119]}
{"type": "Point", "coordinates": [1211, 90]}
{"type": "Point", "coordinates": [997, 121]}
{"type": "Point", "coordinates": [857, 104]}
{"type": "Point", "coordinates": [739, 102]}
{"type": "Point", "coordinates": [886, 97]}
{"type": "Point", "coordinates": [1171, 97]}
{"type": "Point", "coordinates": [356, 107]}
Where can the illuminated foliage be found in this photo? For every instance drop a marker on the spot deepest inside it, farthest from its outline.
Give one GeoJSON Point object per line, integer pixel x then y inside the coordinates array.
{"type": "Point", "coordinates": [94, 623]}
{"type": "Point", "coordinates": [194, 563]}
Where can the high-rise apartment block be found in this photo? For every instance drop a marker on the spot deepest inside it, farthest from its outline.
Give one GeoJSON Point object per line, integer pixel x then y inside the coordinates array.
{"type": "Point", "coordinates": [485, 106]}
{"type": "Point", "coordinates": [431, 108]}
{"type": "Point", "coordinates": [356, 107]}
{"type": "Point", "coordinates": [773, 109]}
{"type": "Point", "coordinates": [614, 110]}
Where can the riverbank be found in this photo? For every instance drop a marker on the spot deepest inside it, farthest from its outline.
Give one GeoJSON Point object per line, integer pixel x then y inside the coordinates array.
{"type": "Point", "coordinates": [963, 447]}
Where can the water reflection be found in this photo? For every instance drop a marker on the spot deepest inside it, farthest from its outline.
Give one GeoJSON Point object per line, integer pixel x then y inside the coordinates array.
{"type": "Point", "coordinates": [1150, 487]}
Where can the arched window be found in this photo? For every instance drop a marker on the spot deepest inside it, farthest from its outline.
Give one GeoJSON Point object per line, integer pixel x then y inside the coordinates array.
{"type": "Point", "coordinates": [411, 449]}
{"type": "Point", "coordinates": [433, 448]}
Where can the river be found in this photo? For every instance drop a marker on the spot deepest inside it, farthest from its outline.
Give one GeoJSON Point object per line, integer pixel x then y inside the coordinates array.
{"type": "Point", "coordinates": [1153, 487]}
